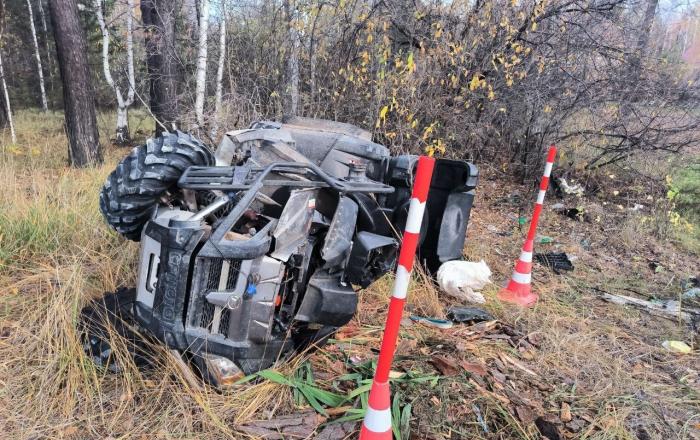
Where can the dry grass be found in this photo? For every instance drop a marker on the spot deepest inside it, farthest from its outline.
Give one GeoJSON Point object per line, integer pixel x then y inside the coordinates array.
{"type": "Point", "coordinates": [56, 253]}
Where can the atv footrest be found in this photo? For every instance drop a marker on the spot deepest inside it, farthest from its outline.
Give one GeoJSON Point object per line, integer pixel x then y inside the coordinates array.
{"type": "Point", "coordinates": [243, 178]}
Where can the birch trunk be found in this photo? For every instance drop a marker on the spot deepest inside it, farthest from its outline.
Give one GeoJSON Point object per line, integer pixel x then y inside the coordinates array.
{"type": "Point", "coordinates": [292, 104]}
{"type": "Point", "coordinates": [37, 55]}
{"type": "Point", "coordinates": [122, 129]}
{"type": "Point", "coordinates": [49, 63]}
{"type": "Point", "coordinates": [220, 72]}
{"type": "Point", "coordinates": [202, 64]}
{"type": "Point", "coordinates": [8, 109]}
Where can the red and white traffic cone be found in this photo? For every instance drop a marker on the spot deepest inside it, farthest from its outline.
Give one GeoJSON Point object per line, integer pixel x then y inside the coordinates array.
{"type": "Point", "coordinates": [377, 421]}
{"type": "Point", "coordinates": [518, 291]}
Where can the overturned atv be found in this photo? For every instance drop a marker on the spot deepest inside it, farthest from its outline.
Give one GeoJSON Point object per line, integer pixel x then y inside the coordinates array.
{"type": "Point", "coordinates": [253, 251]}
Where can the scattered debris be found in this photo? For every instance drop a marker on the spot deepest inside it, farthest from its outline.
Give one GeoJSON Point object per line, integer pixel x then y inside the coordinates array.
{"type": "Point", "coordinates": [565, 413]}
{"type": "Point", "coordinates": [555, 260]}
{"type": "Point", "coordinates": [543, 239]}
{"type": "Point", "coordinates": [474, 368]}
{"type": "Point", "coordinates": [693, 293]}
{"type": "Point", "coordinates": [578, 214]}
{"type": "Point", "coordinates": [575, 189]}
{"type": "Point", "coordinates": [470, 315]}
{"type": "Point", "coordinates": [480, 418]}
{"type": "Point", "coordinates": [677, 347]}
{"type": "Point", "coordinates": [461, 279]}
{"type": "Point", "coordinates": [432, 322]}
{"type": "Point", "coordinates": [290, 426]}
{"type": "Point", "coordinates": [337, 430]}
{"type": "Point", "coordinates": [548, 427]}
{"type": "Point", "coordinates": [668, 309]}
{"type": "Point", "coordinates": [446, 366]}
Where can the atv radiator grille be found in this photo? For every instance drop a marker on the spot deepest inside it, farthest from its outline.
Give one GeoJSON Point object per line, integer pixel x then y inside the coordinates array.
{"type": "Point", "coordinates": [220, 275]}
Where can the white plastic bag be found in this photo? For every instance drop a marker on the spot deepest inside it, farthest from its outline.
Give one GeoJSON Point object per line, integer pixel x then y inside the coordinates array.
{"type": "Point", "coordinates": [462, 279]}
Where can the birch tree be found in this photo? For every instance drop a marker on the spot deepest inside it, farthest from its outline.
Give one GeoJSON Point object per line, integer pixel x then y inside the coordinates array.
{"type": "Point", "coordinates": [202, 63]}
{"type": "Point", "coordinates": [220, 71]}
{"type": "Point", "coordinates": [292, 104]}
{"type": "Point", "coordinates": [49, 64]}
{"type": "Point", "coordinates": [122, 129]}
{"type": "Point", "coordinates": [6, 95]}
{"type": "Point", "coordinates": [37, 55]}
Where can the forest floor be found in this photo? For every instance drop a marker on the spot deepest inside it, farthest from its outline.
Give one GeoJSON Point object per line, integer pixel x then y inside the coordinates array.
{"type": "Point", "coordinates": [573, 366]}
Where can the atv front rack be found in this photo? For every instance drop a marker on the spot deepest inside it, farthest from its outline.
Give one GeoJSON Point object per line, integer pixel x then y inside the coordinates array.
{"type": "Point", "coordinates": [308, 175]}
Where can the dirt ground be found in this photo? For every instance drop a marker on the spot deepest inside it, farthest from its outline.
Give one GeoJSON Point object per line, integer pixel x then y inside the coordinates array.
{"type": "Point", "coordinates": [573, 366]}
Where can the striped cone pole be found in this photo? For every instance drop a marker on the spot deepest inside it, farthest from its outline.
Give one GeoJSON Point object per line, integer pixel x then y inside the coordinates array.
{"type": "Point", "coordinates": [377, 421]}
{"type": "Point", "coordinates": [518, 290]}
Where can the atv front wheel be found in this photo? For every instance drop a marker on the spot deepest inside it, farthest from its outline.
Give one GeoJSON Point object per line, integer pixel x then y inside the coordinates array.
{"type": "Point", "coordinates": [132, 191]}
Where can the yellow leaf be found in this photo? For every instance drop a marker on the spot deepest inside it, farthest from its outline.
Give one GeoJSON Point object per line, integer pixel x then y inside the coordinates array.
{"type": "Point", "coordinates": [383, 112]}
{"type": "Point", "coordinates": [547, 109]}
{"type": "Point", "coordinates": [410, 65]}
{"type": "Point", "coordinates": [474, 83]}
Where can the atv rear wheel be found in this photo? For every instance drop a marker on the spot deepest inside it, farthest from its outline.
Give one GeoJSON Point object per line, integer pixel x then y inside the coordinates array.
{"type": "Point", "coordinates": [132, 191]}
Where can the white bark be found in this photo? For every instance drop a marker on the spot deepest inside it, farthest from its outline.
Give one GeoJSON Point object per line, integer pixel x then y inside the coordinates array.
{"type": "Point", "coordinates": [293, 61]}
{"type": "Point", "coordinates": [202, 63]}
{"type": "Point", "coordinates": [220, 71]}
{"type": "Point", "coordinates": [49, 63]}
{"type": "Point", "coordinates": [122, 129]}
{"type": "Point", "coordinates": [8, 109]}
{"type": "Point", "coordinates": [37, 55]}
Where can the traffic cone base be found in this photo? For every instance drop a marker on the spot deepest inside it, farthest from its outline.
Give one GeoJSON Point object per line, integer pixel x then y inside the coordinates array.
{"type": "Point", "coordinates": [518, 293]}
{"type": "Point", "coordinates": [377, 422]}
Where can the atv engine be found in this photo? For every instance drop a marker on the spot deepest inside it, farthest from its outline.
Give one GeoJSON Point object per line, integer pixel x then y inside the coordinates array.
{"type": "Point", "coordinates": [254, 252]}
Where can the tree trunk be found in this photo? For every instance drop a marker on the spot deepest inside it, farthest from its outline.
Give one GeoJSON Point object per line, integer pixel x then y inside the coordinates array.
{"type": "Point", "coordinates": [8, 109]}
{"type": "Point", "coordinates": [201, 78]}
{"type": "Point", "coordinates": [122, 130]}
{"type": "Point", "coordinates": [49, 63]}
{"type": "Point", "coordinates": [159, 23]}
{"type": "Point", "coordinates": [78, 97]}
{"type": "Point", "coordinates": [635, 66]}
{"type": "Point", "coordinates": [292, 92]}
{"type": "Point", "coordinates": [37, 55]}
{"type": "Point", "coordinates": [220, 72]}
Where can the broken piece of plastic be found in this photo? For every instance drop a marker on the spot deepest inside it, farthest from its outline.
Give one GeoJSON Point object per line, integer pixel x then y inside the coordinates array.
{"type": "Point", "coordinates": [432, 322]}
{"type": "Point", "coordinates": [555, 260]}
{"type": "Point", "coordinates": [462, 315]}
{"type": "Point", "coordinates": [677, 347]}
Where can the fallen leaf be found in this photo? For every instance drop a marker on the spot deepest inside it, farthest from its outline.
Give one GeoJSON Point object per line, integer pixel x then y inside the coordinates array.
{"type": "Point", "coordinates": [465, 346]}
{"type": "Point", "coordinates": [447, 367]}
{"type": "Point", "coordinates": [70, 430]}
{"type": "Point", "coordinates": [406, 346]}
{"type": "Point", "coordinates": [525, 414]}
{"type": "Point", "coordinates": [393, 374]}
{"type": "Point", "coordinates": [474, 368]}
{"type": "Point", "coordinates": [565, 414]}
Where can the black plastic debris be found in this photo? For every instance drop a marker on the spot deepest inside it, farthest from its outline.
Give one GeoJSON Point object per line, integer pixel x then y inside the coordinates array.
{"type": "Point", "coordinates": [556, 261]}
{"type": "Point", "coordinates": [463, 315]}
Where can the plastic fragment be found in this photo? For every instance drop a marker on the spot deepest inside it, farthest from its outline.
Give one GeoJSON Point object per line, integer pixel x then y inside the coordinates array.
{"type": "Point", "coordinates": [432, 322]}
{"type": "Point", "coordinates": [677, 347]}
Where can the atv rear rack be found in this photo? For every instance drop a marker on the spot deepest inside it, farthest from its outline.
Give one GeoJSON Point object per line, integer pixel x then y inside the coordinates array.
{"type": "Point", "coordinates": [245, 178]}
